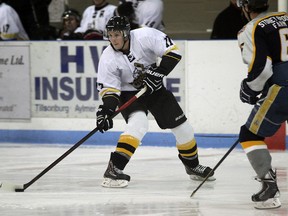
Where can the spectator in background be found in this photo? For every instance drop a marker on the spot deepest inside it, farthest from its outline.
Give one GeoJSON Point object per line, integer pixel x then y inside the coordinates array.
{"type": "Point", "coordinates": [11, 27]}
{"type": "Point", "coordinates": [126, 9]}
{"type": "Point", "coordinates": [94, 20]}
{"type": "Point", "coordinates": [228, 22]}
{"type": "Point", "coordinates": [70, 22]}
{"type": "Point", "coordinates": [148, 13]}
{"type": "Point", "coordinates": [35, 18]}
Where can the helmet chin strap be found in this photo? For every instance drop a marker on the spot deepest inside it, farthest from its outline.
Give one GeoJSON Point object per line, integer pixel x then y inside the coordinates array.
{"type": "Point", "coordinates": [124, 51]}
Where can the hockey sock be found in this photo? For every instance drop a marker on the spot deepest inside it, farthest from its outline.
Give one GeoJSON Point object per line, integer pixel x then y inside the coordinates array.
{"type": "Point", "coordinates": [188, 153]}
{"type": "Point", "coordinates": [126, 147]}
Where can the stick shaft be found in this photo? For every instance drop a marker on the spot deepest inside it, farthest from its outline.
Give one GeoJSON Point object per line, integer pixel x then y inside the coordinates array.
{"type": "Point", "coordinates": [216, 166]}
{"type": "Point", "coordinates": [80, 142]}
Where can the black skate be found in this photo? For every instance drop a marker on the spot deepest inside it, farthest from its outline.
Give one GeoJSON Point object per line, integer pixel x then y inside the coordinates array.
{"type": "Point", "coordinates": [199, 172]}
{"type": "Point", "coordinates": [268, 196]}
{"type": "Point", "coordinates": [114, 178]}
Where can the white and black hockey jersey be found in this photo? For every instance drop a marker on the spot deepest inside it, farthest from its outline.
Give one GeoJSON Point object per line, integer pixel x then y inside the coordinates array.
{"type": "Point", "coordinates": [117, 70]}
{"type": "Point", "coordinates": [11, 27]}
{"type": "Point", "coordinates": [95, 18]}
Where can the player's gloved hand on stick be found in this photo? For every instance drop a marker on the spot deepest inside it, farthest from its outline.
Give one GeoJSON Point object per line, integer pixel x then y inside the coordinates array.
{"type": "Point", "coordinates": [153, 80]}
{"type": "Point", "coordinates": [104, 120]}
{"type": "Point", "coordinates": [247, 95]}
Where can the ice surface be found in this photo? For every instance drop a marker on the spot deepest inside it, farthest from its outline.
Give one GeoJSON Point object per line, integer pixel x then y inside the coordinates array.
{"type": "Point", "coordinates": [159, 185]}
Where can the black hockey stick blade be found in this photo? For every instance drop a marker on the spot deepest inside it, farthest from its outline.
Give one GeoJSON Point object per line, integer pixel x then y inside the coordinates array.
{"type": "Point", "coordinates": [218, 164]}
{"type": "Point", "coordinates": [9, 187]}
{"type": "Point", "coordinates": [22, 188]}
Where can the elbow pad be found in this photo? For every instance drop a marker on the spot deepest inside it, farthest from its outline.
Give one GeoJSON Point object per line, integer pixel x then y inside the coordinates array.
{"type": "Point", "coordinates": [168, 63]}
{"type": "Point", "coordinates": [111, 101]}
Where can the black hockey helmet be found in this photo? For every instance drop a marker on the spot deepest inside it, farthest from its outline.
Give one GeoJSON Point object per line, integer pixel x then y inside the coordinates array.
{"type": "Point", "coordinates": [254, 5]}
{"type": "Point", "coordinates": [71, 12]}
{"type": "Point", "coordinates": [119, 23]}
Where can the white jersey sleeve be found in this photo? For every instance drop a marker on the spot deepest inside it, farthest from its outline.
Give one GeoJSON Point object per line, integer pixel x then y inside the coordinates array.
{"type": "Point", "coordinates": [96, 19]}
{"type": "Point", "coordinates": [11, 27]}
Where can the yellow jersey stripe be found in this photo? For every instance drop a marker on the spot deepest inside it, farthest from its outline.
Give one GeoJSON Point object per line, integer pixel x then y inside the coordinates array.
{"type": "Point", "coordinates": [260, 115]}
{"type": "Point", "coordinates": [109, 91]}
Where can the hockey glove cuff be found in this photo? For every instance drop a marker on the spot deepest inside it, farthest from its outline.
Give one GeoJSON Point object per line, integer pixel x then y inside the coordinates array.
{"type": "Point", "coordinates": [153, 80]}
{"type": "Point", "coordinates": [104, 120]}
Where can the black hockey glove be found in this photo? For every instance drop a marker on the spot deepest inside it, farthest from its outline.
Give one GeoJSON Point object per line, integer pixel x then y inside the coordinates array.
{"type": "Point", "coordinates": [153, 80]}
{"type": "Point", "coordinates": [247, 95]}
{"type": "Point", "coordinates": [104, 120]}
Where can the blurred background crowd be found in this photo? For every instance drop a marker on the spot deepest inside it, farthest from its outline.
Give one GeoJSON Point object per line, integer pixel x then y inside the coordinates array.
{"type": "Point", "coordinates": [86, 20]}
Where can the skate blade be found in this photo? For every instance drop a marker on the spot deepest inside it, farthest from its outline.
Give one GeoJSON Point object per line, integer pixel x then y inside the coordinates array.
{"type": "Point", "coordinates": [199, 178]}
{"type": "Point", "coordinates": [268, 204]}
{"type": "Point", "coordinates": [110, 183]}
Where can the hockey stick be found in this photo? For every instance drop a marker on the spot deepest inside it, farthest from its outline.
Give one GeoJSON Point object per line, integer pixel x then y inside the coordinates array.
{"type": "Point", "coordinates": [222, 159]}
{"type": "Point", "coordinates": [21, 188]}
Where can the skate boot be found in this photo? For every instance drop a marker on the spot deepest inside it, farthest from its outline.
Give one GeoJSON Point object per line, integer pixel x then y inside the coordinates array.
{"type": "Point", "coordinates": [268, 196]}
{"type": "Point", "coordinates": [199, 172]}
{"type": "Point", "coordinates": [114, 177]}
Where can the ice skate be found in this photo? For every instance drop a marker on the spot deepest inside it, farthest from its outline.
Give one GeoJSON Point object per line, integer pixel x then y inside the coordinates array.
{"type": "Point", "coordinates": [197, 173]}
{"type": "Point", "coordinates": [268, 196]}
{"type": "Point", "coordinates": [114, 178]}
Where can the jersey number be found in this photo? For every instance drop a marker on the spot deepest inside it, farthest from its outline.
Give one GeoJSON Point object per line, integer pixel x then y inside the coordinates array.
{"type": "Point", "coordinates": [168, 41]}
{"type": "Point", "coordinates": [5, 28]}
{"type": "Point", "coordinates": [284, 44]}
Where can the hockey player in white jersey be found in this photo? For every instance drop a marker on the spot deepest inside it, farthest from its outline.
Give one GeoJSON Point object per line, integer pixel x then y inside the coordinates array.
{"type": "Point", "coordinates": [94, 19]}
{"type": "Point", "coordinates": [125, 66]}
{"type": "Point", "coordinates": [148, 13]}
{"type": "Point", "coordinates": [264, 47]}
{"type": "Point", "coordinates": [11, 27]}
